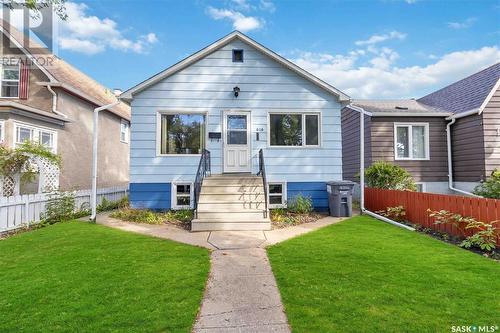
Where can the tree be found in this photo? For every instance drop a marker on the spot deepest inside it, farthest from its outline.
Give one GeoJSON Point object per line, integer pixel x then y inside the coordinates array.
{"type": "Point", "coordinates": [36, 5]}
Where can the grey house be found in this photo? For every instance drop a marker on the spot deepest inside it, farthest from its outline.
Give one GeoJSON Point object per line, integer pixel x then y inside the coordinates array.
{"type": "Point", "coordinates": [448, 140]}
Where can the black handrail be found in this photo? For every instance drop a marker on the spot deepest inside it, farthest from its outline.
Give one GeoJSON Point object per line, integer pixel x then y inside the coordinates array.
{"type": "Point", "coordinates": [204, 168]}
{"type": "Point", "coordinates": [262, 172]}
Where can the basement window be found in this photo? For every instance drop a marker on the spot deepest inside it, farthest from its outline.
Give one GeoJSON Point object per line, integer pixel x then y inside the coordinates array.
{"type": "Point", "coordinates": [182, 195]}
{"type": "Point", "coordinates": [237, 55]}
{"type": "Point", "coordinates": [276, 195]}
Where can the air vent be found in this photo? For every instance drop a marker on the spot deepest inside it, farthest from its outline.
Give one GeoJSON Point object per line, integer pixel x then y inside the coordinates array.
{"type": "Point", "coordinates": [401, 108]}
{"type": "Point", "coordinates": [237, 55]}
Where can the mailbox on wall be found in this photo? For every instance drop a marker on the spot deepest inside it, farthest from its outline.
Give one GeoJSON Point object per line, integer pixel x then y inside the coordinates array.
{"type": "Point", "coordinates": [214, 135]}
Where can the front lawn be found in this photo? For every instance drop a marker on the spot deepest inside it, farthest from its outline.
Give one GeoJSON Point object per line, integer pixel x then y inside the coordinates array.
{"type": "Point", "coordinates": [80, 277]}
{"type": "Point", "coordinates": [362, 275]}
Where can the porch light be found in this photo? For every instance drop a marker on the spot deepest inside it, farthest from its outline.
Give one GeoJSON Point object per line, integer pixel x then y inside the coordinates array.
{"type": "Point", "coordinates": [236, 91]}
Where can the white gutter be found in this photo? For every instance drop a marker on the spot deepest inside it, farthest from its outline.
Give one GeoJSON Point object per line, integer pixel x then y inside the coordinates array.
{"type": "Point", "coordinates": [54, 102]}
{"type": "Point", "coordinates": [95, 135]}
{"type": "Point", "coordinates": [362, 113]}
{"type": "Point", "coordinates": [453, 119]}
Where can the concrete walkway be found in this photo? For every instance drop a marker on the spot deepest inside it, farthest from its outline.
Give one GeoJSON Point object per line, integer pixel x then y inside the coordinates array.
{"type": "Point", "coordinates": [241, 295]}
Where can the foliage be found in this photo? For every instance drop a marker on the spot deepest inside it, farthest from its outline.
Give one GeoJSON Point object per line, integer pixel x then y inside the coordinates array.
{"type": "Point", "coordinates": [283, 217]}
{"type": "Point", "coordinates": [483, 234]}
{"type": "Point", "coordinates": [49, 279]}
{"type": "Point", "coordinates": [107, 205]}
{"type": "Point", "coordinates": [17, 160]}
{"type": "Point", "coordinates": [59, 6]}
{"type": "Point", "coordinates": [59, 208]}
{"type": "Point", "coordinates": [327, 280]}
{"type": "Point", "coordinates": [300, 204]}
{"type": "Point", "coordinates": [397, 213]}
{"type": "Point", "coordinates": [183, 216]}
{"type": "Point", "coordinates": [491, 187]}
{"type": "Point", "coordinates": [389, 176]}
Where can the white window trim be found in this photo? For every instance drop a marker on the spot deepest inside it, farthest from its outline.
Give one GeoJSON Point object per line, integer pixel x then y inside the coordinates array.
{"type": "Point", "coordinates": [18, 64]}
{"type": "Point", "coordinates": [158, 131]}
{"type": "Point", "coordinates": [410, 141]}
{"type": "Point", "coordinates": [173, 199]}
{"type": "Point", "coordinates": [304, 114]}
{"type": "Point", "coordinates": [424, 187]}
{"type": "Point", "coordinates": [283, 194]}
{"type": "Point", "coordinates": [2, 131]}
{"type": "Point", "coordinates": [127, 133]}
{"type": "Point", "coordinates": [36, 134]}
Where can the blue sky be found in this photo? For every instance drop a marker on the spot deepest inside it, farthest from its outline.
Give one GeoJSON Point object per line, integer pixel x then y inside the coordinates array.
{"type": "Point", "coordinates": [369, 49]}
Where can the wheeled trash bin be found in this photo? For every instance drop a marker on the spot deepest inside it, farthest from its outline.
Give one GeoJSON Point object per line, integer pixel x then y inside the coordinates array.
{"type": "Point", "coordinates": [340, 198]}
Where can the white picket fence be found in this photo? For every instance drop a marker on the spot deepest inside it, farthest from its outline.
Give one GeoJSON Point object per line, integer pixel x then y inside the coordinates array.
{"type": "Point", "coordinates": [21, 210]}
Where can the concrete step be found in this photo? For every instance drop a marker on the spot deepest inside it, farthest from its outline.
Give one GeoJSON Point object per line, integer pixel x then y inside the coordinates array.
{"type": "Point", "coordinates": [231, 205]}
{"type": "Point", "coordinates": [233, 181]}
{"type": "Point", "coordinates": [233, 215]}
{"type": "Point", "coordinates": [215, 225]}
{"type": "Point", "coordinates": [236, 197]}
{"type": "Point", "coordinates": [231, 189]}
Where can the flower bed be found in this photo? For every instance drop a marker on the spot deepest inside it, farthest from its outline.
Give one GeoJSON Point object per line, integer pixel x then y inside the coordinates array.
{"type": "Point", "coordinates": [181, 218]}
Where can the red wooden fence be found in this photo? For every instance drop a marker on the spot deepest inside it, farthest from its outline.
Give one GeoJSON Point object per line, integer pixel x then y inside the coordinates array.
{"type": "Point", "coordinates": [417, 203]}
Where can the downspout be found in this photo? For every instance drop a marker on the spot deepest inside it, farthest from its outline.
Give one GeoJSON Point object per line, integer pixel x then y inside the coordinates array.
{"type": "Point", "coordinates": [362, 172]}
{"type": "Point", "coordinates": [450, 157]}
{"type": "Point", "coordinates": [54, 102]}
{"type": "Point", "coordinates": [93, 197]}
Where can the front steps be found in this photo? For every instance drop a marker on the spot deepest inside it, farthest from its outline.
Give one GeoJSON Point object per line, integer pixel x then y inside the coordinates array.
{"type": "Point", "coordinates": [231, 202]}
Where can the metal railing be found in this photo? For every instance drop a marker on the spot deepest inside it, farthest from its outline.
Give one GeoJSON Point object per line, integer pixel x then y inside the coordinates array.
{"type": "Point", "coordinates": [262, 173]}
{"type": "Point", "coordinates": [204, 168]}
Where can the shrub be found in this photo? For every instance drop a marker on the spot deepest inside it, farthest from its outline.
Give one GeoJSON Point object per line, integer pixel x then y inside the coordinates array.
{"type": "Point", "coordinates": [60, 207]}
{"type": "Point", "coordinates": [300, 204]}
{"type": "Point", "coordinates": [106, 204]}
{"type": "Point", "coordinates": [397, 213]}
{"type": "Point", "coordinates": [484, 234]}
{"type": "Point", "coordinates": [491, 187]}
{"type": "Point", "coordinates": [389, 176]}
{"type": "Point", "coordinates": [183, 216]}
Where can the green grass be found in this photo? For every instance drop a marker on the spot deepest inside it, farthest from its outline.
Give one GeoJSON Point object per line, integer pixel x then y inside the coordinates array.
{"type": "Point", "coordinates": [363, 275]}
{"type": "Point", "coordinates": [80, 277]}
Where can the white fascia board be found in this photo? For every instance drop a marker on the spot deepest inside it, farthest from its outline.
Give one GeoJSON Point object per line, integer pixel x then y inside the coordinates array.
{"type": "Point", "coordinates": [411, 114]}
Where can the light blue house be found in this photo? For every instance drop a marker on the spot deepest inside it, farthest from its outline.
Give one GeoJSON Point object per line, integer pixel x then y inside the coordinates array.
{"type": "Point", "coordinates": [232, 100]}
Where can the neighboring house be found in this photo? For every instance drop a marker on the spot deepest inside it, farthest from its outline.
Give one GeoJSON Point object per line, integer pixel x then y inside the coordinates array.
{"type": "Point", "coordinates": [233, 98]}
{"type": "Point", "coordinates": [413, 134]}
{"type": "Point", "coordinates": [51, 102]}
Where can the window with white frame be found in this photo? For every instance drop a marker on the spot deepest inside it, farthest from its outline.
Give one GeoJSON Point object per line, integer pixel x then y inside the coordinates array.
{"type": "Point", "coordinates": [10, 80]}
{"type": "Point", "coordinates": [182, 195]}
{"type": "Point", "coordinates": [411, 141]}
{"type": "Point", "coordinates": [24, 132]}
{"type": "Point", "coordinates": [294, 129]}
{"type": "Point", "coordinates": [277, 195]}
{"type": "Point", "coordinates": [2, 131]}
{"type": "Point", "coordinates": [124, 131]}
{"type": "Point", "coordinates": [181, 133]}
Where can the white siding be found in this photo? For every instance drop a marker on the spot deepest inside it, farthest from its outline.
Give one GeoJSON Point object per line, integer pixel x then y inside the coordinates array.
{"type": "Point", "coordinates": [207, 86]}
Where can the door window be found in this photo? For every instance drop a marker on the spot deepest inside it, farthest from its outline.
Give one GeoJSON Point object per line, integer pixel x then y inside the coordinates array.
{"type": "Point", "coordinates": [237, 130]}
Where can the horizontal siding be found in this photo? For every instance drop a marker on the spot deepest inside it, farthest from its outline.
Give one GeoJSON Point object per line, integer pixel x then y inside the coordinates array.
{"type": "Point", "coordinates": [491, 126]}
{"type": "Point", "coordinates": [314, 190]}
{"type": "Point", "coordinates": [155, 196]}
{"type": "Point", "coordinates": [382, 147]}
{"type": "Point", "coordinates": [468, 149]}
{"type": "Point", "coordinates": [350, 143]}
{"type": "Point", "coordinates": [206, 86]}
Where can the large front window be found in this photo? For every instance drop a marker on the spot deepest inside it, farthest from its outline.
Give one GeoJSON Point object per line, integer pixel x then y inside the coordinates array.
{"type": "Point", "coordinates": [411, 141]}
{"type": "Point", "coordinates": [294, 129]}
{"type": "Point", "coordinates": [182, 134]}
{"type": "Point", "coordinates": [10, 80]}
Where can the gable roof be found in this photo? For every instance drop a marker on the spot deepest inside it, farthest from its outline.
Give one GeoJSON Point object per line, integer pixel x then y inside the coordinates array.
{"type": "Point", "coordinates": [398, 107]}
{"type": "Point", "coordinates": [467, 94]}
{"type": "Point", "coordinates": [235, 35]}
{"type": "Point", "coordinates": [63, 75]}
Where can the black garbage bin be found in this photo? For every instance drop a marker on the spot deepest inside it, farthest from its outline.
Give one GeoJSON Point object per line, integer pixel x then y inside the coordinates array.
{"type": "Point", "coordinates": [340, 197]}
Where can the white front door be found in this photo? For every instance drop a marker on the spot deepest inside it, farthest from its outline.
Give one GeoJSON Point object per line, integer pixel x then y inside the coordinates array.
{"type": "Point", "coordinates": [237, 141]}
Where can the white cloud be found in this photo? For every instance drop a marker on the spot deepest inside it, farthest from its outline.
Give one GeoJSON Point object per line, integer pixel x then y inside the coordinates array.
{"type": "Point", "coordinates": [240, 21]}
{"type": "Point", "coordinates": [462, 25]}
{"type": "Point", "coordinates": [242, 5]}
{"type": "Point", "coordinates": [381, 38]}
{"type": "Point", "coordinates": [89, 34]}
{"type": "Point", "coordinates": [267, 6]}
{"type": "Point", "coordinates": [378, 77]}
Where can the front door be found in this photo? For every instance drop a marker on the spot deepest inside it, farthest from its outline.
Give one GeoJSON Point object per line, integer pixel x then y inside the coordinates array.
{"type": "Point", "coordinates": [237, 141]}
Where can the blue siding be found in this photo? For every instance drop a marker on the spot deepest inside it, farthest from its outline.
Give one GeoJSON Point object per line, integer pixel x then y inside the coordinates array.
{"type": "Point", "coordinates": [315, 190]}
{"type": "Point", "coordinates": [150, 195]}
